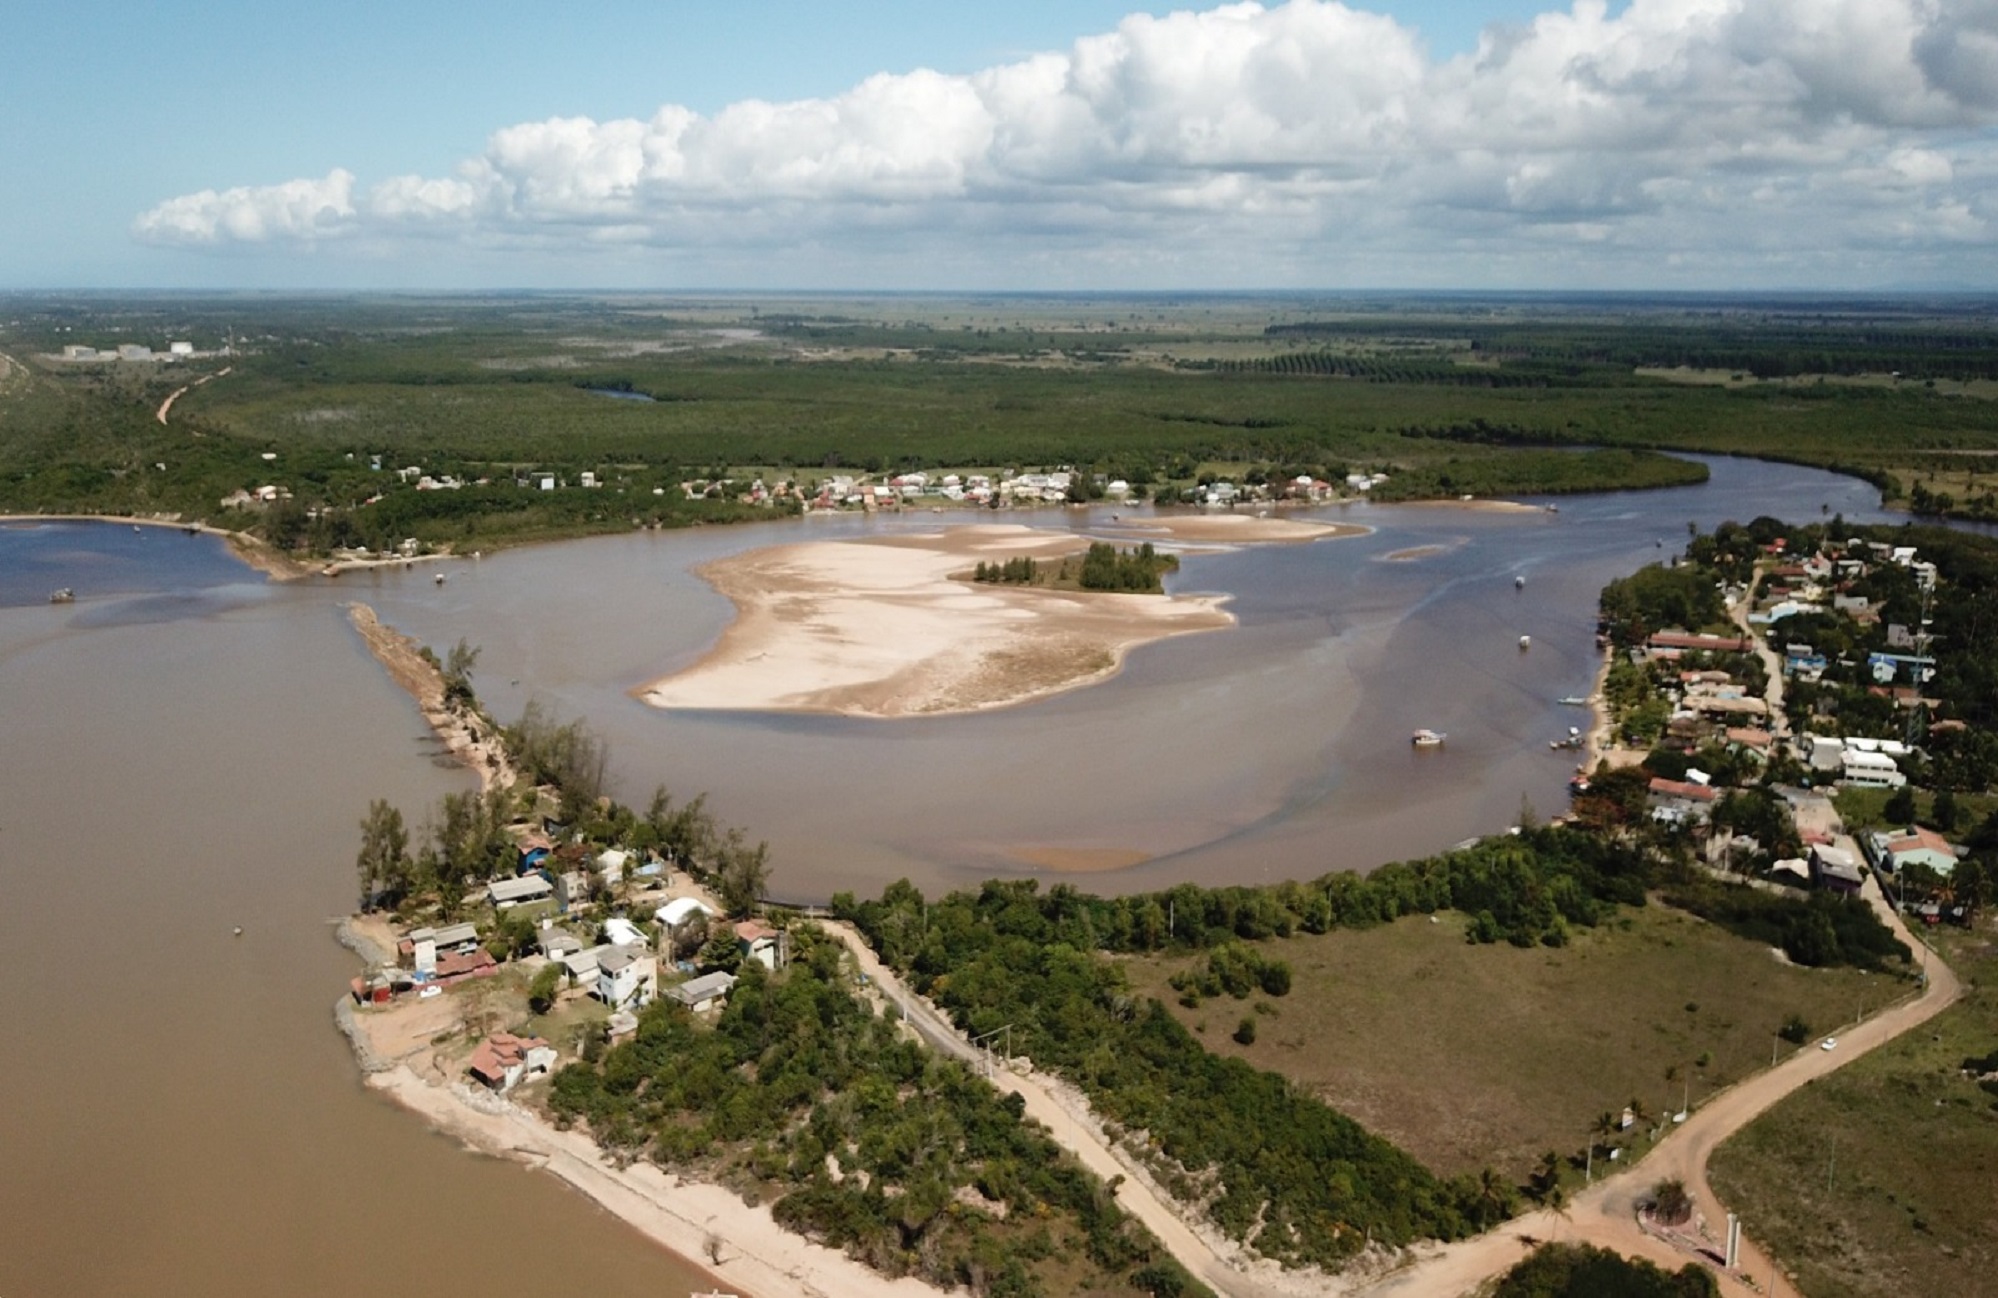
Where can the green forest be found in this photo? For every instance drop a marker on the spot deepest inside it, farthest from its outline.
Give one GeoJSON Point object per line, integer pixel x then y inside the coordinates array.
{"type": "Point", "coordinates": [327, 398]}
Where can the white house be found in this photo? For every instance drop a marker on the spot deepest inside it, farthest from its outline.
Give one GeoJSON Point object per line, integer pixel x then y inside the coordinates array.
{"type": "Point", "coordinates": [626, 977]}
{"type": "Point", "coordinates": [760, 942]}
{"type": "Point", "coordinates": [612, 862]}
{"type": "Point", "coordinates": [620, 931]}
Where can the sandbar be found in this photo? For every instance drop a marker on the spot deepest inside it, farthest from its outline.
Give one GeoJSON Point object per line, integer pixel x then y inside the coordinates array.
{"type": "Point", "coordinates": [1479, 505]}
{"type": "Point", "coordinates": [891, 628]}
{"type": "Point", "coordinates": [1248, 529]}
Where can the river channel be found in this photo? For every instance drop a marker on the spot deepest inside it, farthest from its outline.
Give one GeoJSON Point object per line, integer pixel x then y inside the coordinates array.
{"type": "Point", "coordinates": [188, 750]}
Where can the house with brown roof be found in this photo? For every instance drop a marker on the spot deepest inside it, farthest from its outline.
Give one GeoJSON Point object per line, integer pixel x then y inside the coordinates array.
{"type": "Point", "coordinates": [503, 1061]}
{"type": "Point", "coordinates": [759, 942]}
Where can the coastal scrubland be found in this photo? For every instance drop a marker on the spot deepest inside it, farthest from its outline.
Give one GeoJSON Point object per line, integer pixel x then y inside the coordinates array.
{"type": "Point", "coordinates": [325, 398]}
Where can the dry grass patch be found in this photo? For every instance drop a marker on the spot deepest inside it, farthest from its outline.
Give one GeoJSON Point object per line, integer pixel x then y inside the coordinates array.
{"type": "Point", "coordinates": [1471, 1056]}
{"type": "Point", "coordinates": [1882, 1179]}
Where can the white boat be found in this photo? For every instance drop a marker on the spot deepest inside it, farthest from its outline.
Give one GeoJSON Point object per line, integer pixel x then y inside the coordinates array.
{"type": "Point", "coordinates": [1574, 701]}
{"type": "Point", "coordinates": [1519, 583]}
{"type": "Point", "coordinates": [1525, 641]}
{"type": "Point", "coordinates": [63, 596]}
{"type": "Point", "coordinates": [1428, 739]}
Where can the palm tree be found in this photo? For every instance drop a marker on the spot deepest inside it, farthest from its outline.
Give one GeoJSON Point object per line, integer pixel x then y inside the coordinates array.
{"type": "Point", "coordinates": [1558, 1204]}
{"type": "Point", "coordinates": [1547, 1177]}
{"type": "Point", "coordinates": [1495, 1198]}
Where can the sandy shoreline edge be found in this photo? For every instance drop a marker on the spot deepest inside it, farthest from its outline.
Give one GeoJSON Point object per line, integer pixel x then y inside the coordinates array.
{"type": "Point", "coordinates": [689, 1219]}
{"type": "Point", "coordinates": [890, 627]}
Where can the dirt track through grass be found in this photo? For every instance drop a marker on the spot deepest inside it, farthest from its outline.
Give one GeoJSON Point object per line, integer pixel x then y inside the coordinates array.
{"type": "Point", "coordinates": [1879, 1180]}
{"type": "Point", "coordinates": [1469, 1056]}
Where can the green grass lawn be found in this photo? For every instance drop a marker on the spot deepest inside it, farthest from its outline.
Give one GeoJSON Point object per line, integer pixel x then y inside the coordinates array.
{"type": "Point", "coordinates": [1882, 1179]}
{"type": "Point", "coordinates": [1468, 1056]}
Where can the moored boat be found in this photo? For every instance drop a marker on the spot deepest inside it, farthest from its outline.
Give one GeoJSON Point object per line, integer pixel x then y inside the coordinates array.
{"type": "Point", "coordinates": [63, 596]}
{"type": "Point", "coordinates": [1428, 739]}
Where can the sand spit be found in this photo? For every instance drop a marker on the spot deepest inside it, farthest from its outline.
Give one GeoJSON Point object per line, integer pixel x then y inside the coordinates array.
{"type": "Point", "coordinates": [469, 736]}
{"type": "Point", "coordinates": [887, 628]}
{"type": "Point", "coordinates": [1480, 506]}
{"type": "Point", "coordinates": [1247, 529]}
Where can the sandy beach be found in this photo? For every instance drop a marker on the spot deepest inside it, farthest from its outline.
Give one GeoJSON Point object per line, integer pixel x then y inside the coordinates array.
{"type": "Point", "coordinates": [743, 1246]}
{"type": "Point", "coordinates": [889, 628]}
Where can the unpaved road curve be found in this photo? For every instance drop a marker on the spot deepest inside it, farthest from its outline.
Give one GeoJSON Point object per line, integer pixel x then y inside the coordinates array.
{"type": "Point", "coordinates": [1606, 1215]}
{"type": "Point", "coordinates": [1075, 1135]}
{"type": "Point", "coordinates": [178, 393]}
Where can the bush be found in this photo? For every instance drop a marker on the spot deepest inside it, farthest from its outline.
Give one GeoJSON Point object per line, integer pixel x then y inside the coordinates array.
{"type": "Point", "coordinates": [1795, 1030]}
{"type": "Point", "coordinates": [1245, 1032]}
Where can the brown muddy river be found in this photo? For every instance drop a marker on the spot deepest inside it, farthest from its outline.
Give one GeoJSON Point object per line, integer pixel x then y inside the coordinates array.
{"type": "Point", "coordinates": [188, 750]}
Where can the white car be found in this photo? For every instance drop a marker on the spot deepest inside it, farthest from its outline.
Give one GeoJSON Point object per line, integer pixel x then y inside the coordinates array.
{"type": "Point", "coordinates": [1827, 1043]}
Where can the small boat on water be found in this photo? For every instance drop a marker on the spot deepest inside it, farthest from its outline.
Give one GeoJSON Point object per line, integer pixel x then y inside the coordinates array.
{"type": "Point", "coordinates": [1574, 701]}
{"type": "Point", "coordinates": [1574, 740]}
{"type": "Point", "coordinates": [63, 596]}
{"type": "Point", "coordinates": [1519, 583]}
{"type": "Point", "coordinates": [1428, 739]}
{"type": "Point", "coordinates": [1526, 642]}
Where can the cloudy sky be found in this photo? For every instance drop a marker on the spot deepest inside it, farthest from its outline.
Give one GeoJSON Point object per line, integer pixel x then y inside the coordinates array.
{"type": "Point", "coordinates": [1052, 144]}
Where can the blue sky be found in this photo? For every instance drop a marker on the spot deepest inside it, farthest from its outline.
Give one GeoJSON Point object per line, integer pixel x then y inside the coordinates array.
{"type": "Point", "coordinates": [1659, 143]}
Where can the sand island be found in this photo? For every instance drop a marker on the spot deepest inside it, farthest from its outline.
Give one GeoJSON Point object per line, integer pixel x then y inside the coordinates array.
{"type": "Point", "coordinates": [892, 627]}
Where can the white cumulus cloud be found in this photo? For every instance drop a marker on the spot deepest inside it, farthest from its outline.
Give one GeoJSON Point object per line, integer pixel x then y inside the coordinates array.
{"type": "Point", "coordinates": [1309, 142]}
{"type": "Point", "coordinates": [297, 210]}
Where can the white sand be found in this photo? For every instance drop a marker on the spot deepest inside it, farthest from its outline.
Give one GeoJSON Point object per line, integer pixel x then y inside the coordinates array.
{"type": "Point", "coordinates": [881, 628]}
{"type": "Point", "coordinates": [757, 1256]}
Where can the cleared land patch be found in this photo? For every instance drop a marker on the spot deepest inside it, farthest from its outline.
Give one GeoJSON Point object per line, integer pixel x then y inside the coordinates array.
{"type": "Point", "coordinates": [1879, 1179]}
{"type": "Point", "coordinates": [1471, 1056]}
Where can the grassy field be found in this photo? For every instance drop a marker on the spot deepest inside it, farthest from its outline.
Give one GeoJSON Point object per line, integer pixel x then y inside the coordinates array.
{"type": "Point", "coordinates": [1468, 1056]}
{"type": "Point", "coordinates": [1882, 1179]}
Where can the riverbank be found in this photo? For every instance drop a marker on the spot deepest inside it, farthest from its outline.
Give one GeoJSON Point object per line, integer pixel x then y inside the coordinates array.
{"type": "Point", "coordinates": [251, 550]}
{"type": "Point", "coordinates": [890, 627]}
{"type": "Point", "coordinates": [469, 736]}
{"type": "Point", "coordinates": [738, 1243]}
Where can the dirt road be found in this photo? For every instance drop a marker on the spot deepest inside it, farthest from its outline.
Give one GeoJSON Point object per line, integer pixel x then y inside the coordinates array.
{"type": "Point", "coordinates": [1053, 1104]}
{"type": "Point", "coordinates": [1606, 1215]}
{"type": "Point", "coordinates": [178, 393]}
